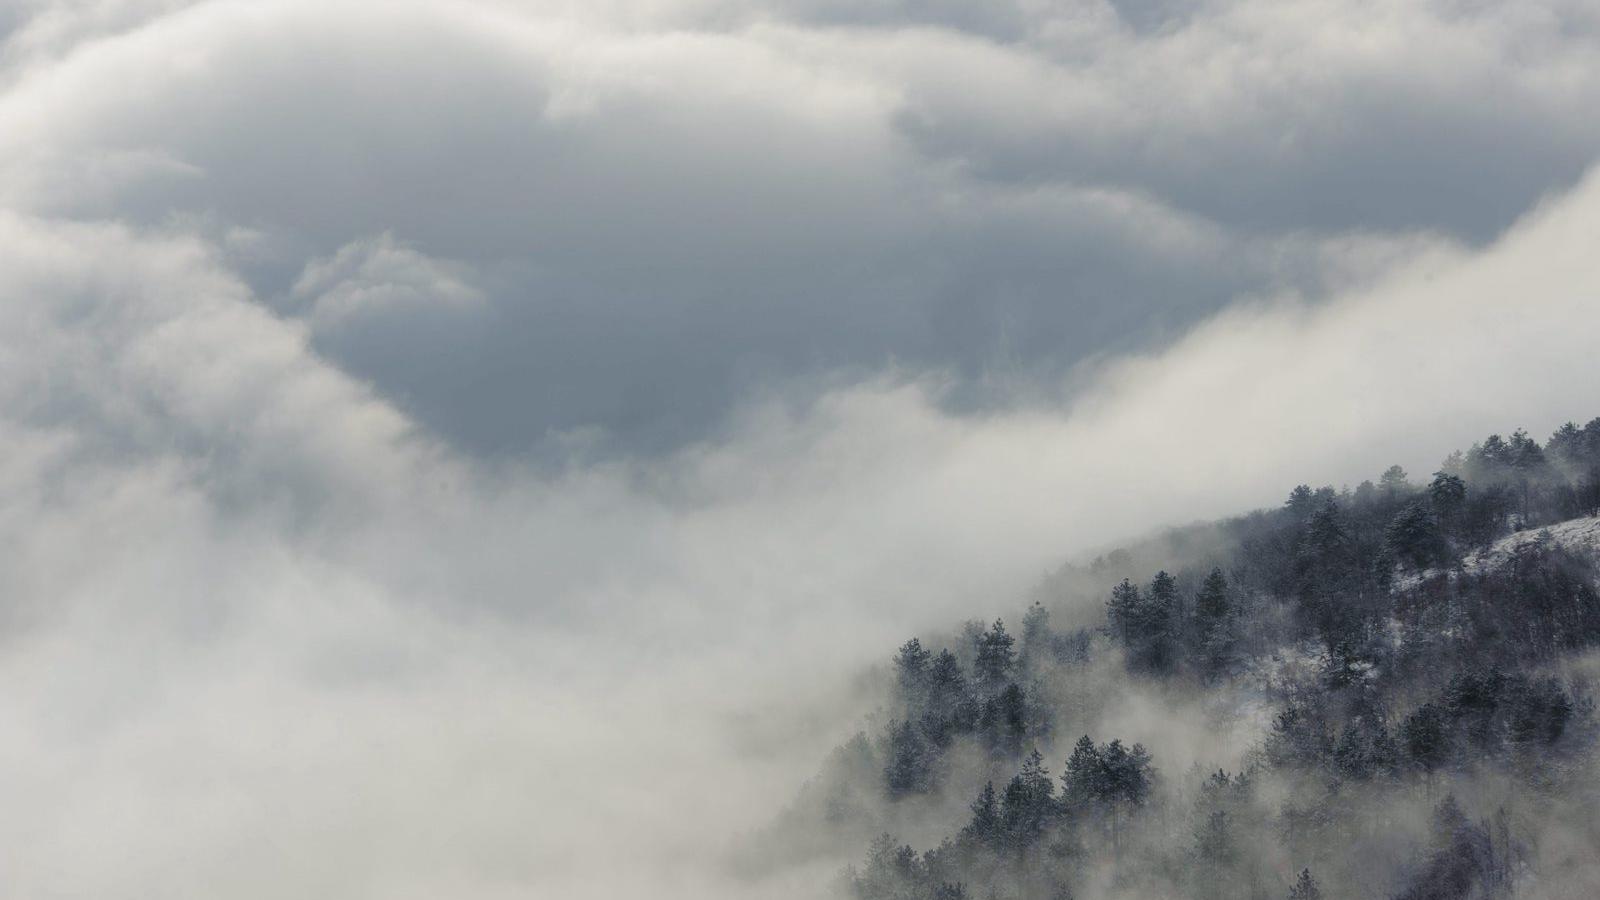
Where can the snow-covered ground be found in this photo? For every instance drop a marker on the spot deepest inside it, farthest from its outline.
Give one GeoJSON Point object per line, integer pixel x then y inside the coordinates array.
{"type": "Point", "coordinates": [1573, 534]}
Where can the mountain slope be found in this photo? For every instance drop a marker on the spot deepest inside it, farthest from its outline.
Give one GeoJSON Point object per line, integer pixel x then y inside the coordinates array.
{"type": "Point", "coordinates": [1377, 692]}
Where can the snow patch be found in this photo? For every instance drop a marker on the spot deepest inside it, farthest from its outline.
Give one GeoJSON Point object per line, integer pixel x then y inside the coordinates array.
{"type": "Point", "coordinates": [1582, 535]}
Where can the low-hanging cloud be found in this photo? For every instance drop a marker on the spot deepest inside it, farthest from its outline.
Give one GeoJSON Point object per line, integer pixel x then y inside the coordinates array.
{"type": "Point", "coordinates": [268, 635]}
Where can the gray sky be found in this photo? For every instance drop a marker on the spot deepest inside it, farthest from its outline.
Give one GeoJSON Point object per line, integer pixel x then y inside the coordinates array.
{"type": "Point", "coordinates": [413, 414]}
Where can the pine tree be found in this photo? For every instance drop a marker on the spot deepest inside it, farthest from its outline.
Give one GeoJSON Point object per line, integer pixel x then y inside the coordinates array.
{"type": "Point", "coordinates": [1527, 464]}
{"type": "Point", "coordinates": [985, 826]}
{"type": "Point", "coordinates": [1004, 721]}
{"type": "Point", "coordinates": [1156, 632]}
{"type": "Point", "coordinates": [1447, 494]}
{"type": "Point", "coordinates": [1305, 887]}
{"type": "Point", "coordinates": [1146, 623]}
{"type": "Point", "coordinates": [911, 669]}
{"type": "Point", "coordinates": [910, 767]}
{"type": "Point", "coordinates": [1028, 804]}
{"type": "Point", "coordinates": [1394, 483]}
{"type": "Point", "coordinates": [1211, 602]}
{"type": "Point", "coordinates": [1163, 591]}
{"type": "Point", "coordinates": [1424, 739]}
{"type": "Point", "coordinates": [1125, 781]}
{"type": "Point", "coordinates": [1215, 625]}
{"type": "Point", "coordinates": [1413, 536]}
{"type": "Point", "coordinates": [892, 872]}
{"type": "Point", "coordinates": [995, 659]}
{"type": "Point", "coordinates": [1083, 780]}
{"type": "Point", "coordinates": [1326, 541]}
{"type": "Point", "coordinates": [1128, 773]}
{"type": "Point", "coordinates": [1301, 502]}
{"type": "Point", "coordinates": [1488, 460]}
{"type": "Point", "coordinates": [1328, 578]}
{"type": "Point", "coordinates": [1035, 637]}
{"type": "Point", "coordinates": [947, 685]}
{"type": "Point", "coordinates": [1565, 446]}
{"type": "Point", "coordinates": [1122, 610]}
{"type": "Point", "coordinates": [1164, 602]}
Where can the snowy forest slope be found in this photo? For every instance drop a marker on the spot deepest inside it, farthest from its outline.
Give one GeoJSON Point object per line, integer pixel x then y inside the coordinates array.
{"type": "Point", "coordinates": [1382, 691]}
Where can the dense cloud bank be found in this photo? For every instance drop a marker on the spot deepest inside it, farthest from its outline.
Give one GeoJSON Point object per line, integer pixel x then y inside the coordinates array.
{"type": "Point", "coordinates": [656, 206]}
{"type": "Point", "coordinates": [274, 276]}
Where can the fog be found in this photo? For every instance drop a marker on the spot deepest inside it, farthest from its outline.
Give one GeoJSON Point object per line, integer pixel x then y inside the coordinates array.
{"type": "Point", "coordinates": [402, 497]}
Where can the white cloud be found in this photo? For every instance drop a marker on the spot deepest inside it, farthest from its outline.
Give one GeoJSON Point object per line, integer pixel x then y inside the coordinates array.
{"type": "Point", "coordinates": [380, 276]}
{"type": "Point", "coordinates": [426, 676]}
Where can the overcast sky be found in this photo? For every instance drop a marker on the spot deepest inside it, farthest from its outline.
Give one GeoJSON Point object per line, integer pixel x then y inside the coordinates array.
{"type": "Point", "coordinates": [414, 416]}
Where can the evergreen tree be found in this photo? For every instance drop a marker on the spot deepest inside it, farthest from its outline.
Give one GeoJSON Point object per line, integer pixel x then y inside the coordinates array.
{"type": "Point", "coordinates": [1083, 781]}
{"type": "Point", "coordinates": [1328, 577]}
{"type": "Point", "coordinates": [1394, 483]}
{"type": "Point", "coordinates": [1326, 542]}
{"type": "Point", "coordinates": [1146, 622]}
{"type": "Point", "coordinates": [1028, 804]}
{"type": "Point", "coordinates": [892, 872]}
{"type": "Point", "coordinates": [1123, 610]}
{"type": "Point", "coordinates": [1127, 780]}
{"type": "Point", "coordinates": [1464, 861]}
{"type": "Point", "coordinates": [1573, 454]}
{"type": "Point", "coordinates": [1298, 738]}
{"type": "Point", "coordinates": [1128, 773]}
{"type": "Point", "coordinates": [1004, 721]}
{"type": "Point", "coordinates": [1305, 887]}
{"type": "Point", "coordinates": [910, 766]}
{"type": "Point", "coordinates": [996, 660]}
{"type": "Point", "coordinates": [1526, 461]}
{"type": "Point", "coordinates": [947, 685]}
{"type": "Point", "coordinates": [1215, 625]}
{"type": "Point", "coordinates": [1211, 602]}
{"type": "Point", "coordinates": [1489, 460]}
{"type": "Point", "coordinates": [911, 670]}
{"type": "Point", "coordinates": [1424, 739]}
{"type": "Point", "coordinates": [985, 827]}
{"type": "Point", "coordinates": [1035, 637]}
{"type": "Point", "coordinates": [1447, 494]}
{"type": "Point", "coordinates": [1301, 502]}
{"type": "Point", "coordinates": [1159, 626]}
{"type": "Point", "coordinates": [1414, 538]}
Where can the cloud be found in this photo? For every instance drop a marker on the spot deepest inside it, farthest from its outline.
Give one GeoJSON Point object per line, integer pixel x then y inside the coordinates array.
{"type": "Point", "coordinates": [255, 606]}
{"type": "Point", "coordinates": [271, 277]}
{"type": "Point", "coordinates": [1267, 117]}
{"type": "Point", "coordinates": [667, 206]}
{"type": "Point", "coordinates": [378, 277]}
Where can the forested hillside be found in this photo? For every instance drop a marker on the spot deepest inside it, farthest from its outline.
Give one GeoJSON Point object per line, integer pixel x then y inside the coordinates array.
{"type": "Point", "coordinates": [1372, 692]}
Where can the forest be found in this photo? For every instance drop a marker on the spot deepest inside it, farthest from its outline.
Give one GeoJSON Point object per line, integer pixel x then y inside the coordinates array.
{"type": "Point", "coordinates": [1378, 691]}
